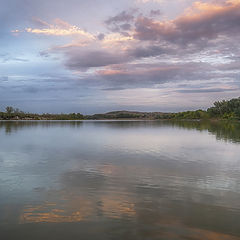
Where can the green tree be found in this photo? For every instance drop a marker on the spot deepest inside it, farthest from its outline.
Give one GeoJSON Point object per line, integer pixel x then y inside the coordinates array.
{"type": "Point", "coordinates": [9, 110]}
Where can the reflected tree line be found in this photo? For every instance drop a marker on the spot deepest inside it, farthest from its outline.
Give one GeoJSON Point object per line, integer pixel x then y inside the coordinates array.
{"type": "Point", "coordinates": [223, 130]}
{"type": "Point", "coordinates": [13, 126]}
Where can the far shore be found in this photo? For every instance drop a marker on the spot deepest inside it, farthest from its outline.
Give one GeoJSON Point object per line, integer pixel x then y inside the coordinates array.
{"type": "Point", "coordinates": [120, 120]}
{"type": "Point", "coordinates": [221, 111]}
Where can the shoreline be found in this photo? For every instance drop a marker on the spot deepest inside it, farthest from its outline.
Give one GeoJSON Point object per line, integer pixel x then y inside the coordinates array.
{"type": "Point", "coordinates": [119, 120]}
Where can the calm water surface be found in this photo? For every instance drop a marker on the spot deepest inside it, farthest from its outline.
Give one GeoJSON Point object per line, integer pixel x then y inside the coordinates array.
{"type": "Point", "coordinates": [119, 180]}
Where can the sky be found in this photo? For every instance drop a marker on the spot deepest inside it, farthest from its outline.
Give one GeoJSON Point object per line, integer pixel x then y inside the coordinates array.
{"type": "Point", "coordinates": [99, 55]}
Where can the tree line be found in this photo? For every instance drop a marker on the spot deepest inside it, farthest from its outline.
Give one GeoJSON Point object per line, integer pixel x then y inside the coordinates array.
{"type": "Point", "coordinates": [220, 110]}
{"type": "Point", "coordinates": [16, 114]}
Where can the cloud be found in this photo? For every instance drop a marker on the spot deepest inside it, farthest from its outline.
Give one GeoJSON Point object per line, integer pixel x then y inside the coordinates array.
{"type": "Point", "coordinates": [192, 54]}
{"type": "Point", "coordinates": [54, 31]}
{"type": "Point", "coordinates": [73, 30]}
{"type": "Point", "coordinates": [151, 75]}
{"type": "Point", "coordinates": [147, 1]}
{"type": "Point", "coordinates": [149, 51]}
{"type": "Point", "coordinates": [4, 79]}
{"type": "Point", "coordinates": [208, 90]}
{"type": "Point", "coordinates": [201, 22]}
{"type": "Point", "coordinates": [101, 36]}
{"type": "Point", "coordinates": [62, 24]}
{"type": "Point", "coordinates": [154, 13]}
{"type": "Point", "coordinates": [40, 23]}
{"type": "Point", "coordinates": [182, 39]}
{"type": "Point", "coordinates": [79, 60]}
{"type": "Point", "coordinates": [121, 22]}
{"type": "Point", "coordinates": [6, 57]}
{"type": "Point", "coordinates": [142, 52]}
{"type": "Point", "coordinates": [119, 18]}
{"type": "Point", "coordinates": [58, 28]}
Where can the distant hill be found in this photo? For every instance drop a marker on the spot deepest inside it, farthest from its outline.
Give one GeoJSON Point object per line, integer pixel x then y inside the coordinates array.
{"type": "Point", "coordinates": [128, 115]}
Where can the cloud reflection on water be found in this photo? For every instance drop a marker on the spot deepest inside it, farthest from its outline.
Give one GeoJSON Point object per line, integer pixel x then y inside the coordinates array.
{"type": "Point", "coordinates": [181, 184]}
